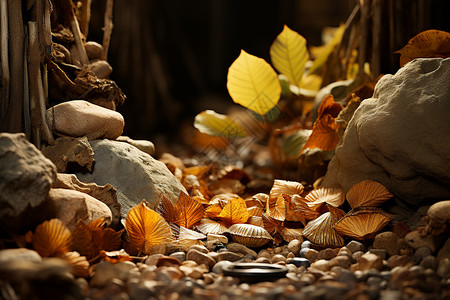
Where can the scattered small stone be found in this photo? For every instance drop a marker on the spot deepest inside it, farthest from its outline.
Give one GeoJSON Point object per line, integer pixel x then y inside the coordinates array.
{"type": "Point", "coordinates": [200, 258]}
{"type": "Point", "coordinates": [382, 253]}
{"type": "Point", "coordinates": [263, 260]}
{"type": "Point", "coordinates": [415, 241]}
{"type": "Point", "coordinates": [356, 255]}
{"type": "Point", "coordinates": [167, 261]}
{"type": "Point", "coordinates": [181, 256]}
{"type": "Point", "coordinates": [387, 240]}
{"type": "Point", "coordinates": [327, 254]}
{"type": "Point", "coordinates": [321, 264]}
{"type": "Point", "coordinates": [429, 262]}
{"type": "Point", "coordinates": [294, 246]}
{"type": "Point", "coordinates": [397, 261]}
{"type": "Point", "coordinates": [420, 253]}
{"type": "Point", "coordinates": [151, 260]}
{"type": "Point", "coordinates": [341, 261]}
{"type": "Point", "coordinates": [217, 237]}
{"type": "Point", "coordinates": [369, 261]}
{"type": "Point", "coordinates": [308, 278]}
{"type": "Point", "coordinates": [239, 248]}
{"type": "Point", "coordinates": [229, 256]}
{"type": "Point", "coordinates": [300, 261]}
{"type": "Point", "coordinates": [306, 244]}
{"type": "Point", "coordinates": [444, 268]}
{"type": "Point", "coordinates": [200, 248]}
{"type": "Point", "coordinates": [312, 255]}
{"type": "Point", "coordinates": [355, 246]}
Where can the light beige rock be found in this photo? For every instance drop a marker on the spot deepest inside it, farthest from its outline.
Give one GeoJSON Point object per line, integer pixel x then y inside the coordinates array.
{"type": "Point", "coordinates": [400, 136]}
{"type": "Point", "coordinates": [415, 240]}
{"type": "Point", "coordinates": [143, 145]}
{"type": "Point", "coordinates": [369, 261]}
{"type": "Point", "coordinates": [387, 240]}
{"type": "Point", "coordinates": [73, 205]}
{"type": "Point", "coordinates": [106, 193]}
{"type": "Point", "coordinates": [79, 118]}
{"type": "Point", "coordinates": [94, 50]}
{"type": "Point", "coordinates": [70, 150]}
{"type": "Point", "coordinates": [25, 179]}
{"type": "Point", "coordinates": [101, 68]}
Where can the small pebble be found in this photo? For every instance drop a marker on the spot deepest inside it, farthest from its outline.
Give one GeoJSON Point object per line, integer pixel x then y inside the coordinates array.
{"type": "Point", "coordinates": [382, 253]}
{"type": "Point", "coordinates": [420, 253]}
{"type": "Point", "coordinates": [278, 258]}
{"type": "Point", "coordinates": [300, 261]}
{"type": "Point", "coordinates": [388, 241]}
{"type": "Point", "coordinates": [429, 262]}
{"type": "Point", "coordinates": [305, 244]}
{"type": "Point", "coordinates": [321, 264]}
{"type": "Point", "coordinates": [312, 255]}
{"type": "Point", "coordinates": [356, 255]}
{"type": "Point", "coordinates": [327, 254]}
{"type": "Point", "coordinates": [294, 246]}
{"type": "Point", "coordinates": [181, 256]}
{"type": "Point", "coordinates": [355, 246]}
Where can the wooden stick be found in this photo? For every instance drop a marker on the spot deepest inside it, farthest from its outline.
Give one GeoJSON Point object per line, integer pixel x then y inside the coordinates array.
{"type": "Point", "coordinates": [33, 75]}
{"type": "Point", "coordinates": [78, 40]}
{"type": "Point", "coordinates": [364, 25]}
{"type": "Point", "coordinates": [4, 61]}
{"type": "Point", "coordinates": [16, 38]}
{"type": "Point", "coordinates": [47, 135]}
{"type": "Point", "coordinates": [85, 16]}
{"type": "Point", "coordinates": [108, 27]}
{"type": "Point", "coordinates": [26, 91]}
{"type": "Point", "coordinates": [376, 37]}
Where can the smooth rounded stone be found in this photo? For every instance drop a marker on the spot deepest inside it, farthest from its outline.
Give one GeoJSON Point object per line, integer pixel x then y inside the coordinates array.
{"type": "Point", "coordinates": [142, 290]}
{"type": "Point", "coordinates": [94, 50]}
{"type": "Point", "coordinates": [218, 267]}
{"type": "Point", "coordinates": [77, 118]}
{"type": "Point", "coordinates": [209, 278]}
{"type": "Point", "coordinates": [292, 268]}
{"type": "Point", "coordinates": [420, 253]}
{"type": "Point", "coordinates": [303, 251]}
{"type": "Point", "coordinates": [444, 268]}
{"type": "Point", "coordinates": [264, 253]}
{"type": "Point", "coordinates": [101, 68]}
{"type": "Point", "coordinates": [445, 251]}
{"type": "Point", "coordinates": [167, 261]}
{"type": "Point", "coordinates": [71, 206]}
{"type": "Point", "coordinates": [200, 248]}
{"type": "Point", "coordinates": [200, 258]}
{"type": "Point", "coordinates": [341, 261]}
{"type": "Point", "coordinates": [25, 179]}
{"type": "Point", "coordinates": [181, 256]}
{"type": "Point", "coordinates": [382, 253]}
{"type": "Point", "coordinates": [217, 237]}
{"type": "Point", "coordinates": [312, 255]}
{"type": "Point", "coordinates": [308, 278]}
{"type": "Point", "coordinates": [390, 295]}
{"type": "Point", "coordinates": [214, 255]}
{"type": "Point", "coordinates": [278, 258]}
{"type": "Point", "coordinates": [375, 281]}
{"type": "Point", "coordinates": [290, 255]}
{"type": "Point", "coordinates": [106, 193]}
{"type": "Point", "coordinates": [355, 246]}
{"type": "Point", "coordinates": [167, 274]}
{"type": "Point", "coordinates": [134, 174]}
{"type": "Point", "coordinates": [344, 251]}
{"type": "Point", "coordinates": [387, 240]}
{"type": "Point", "coordinates": [381, 143]}
{"type": "Point", "coordinates": [230, 256]}
{"type": "Point", "coordinates": [277, 250]}
{"type": "Point", "coordinates": [19, 254]}
{"type": "Point", "coordinates": [189, 263]}
{"type": "Point", "coordinates": [151, 260]}
{"type": "Point", "coordinates": [429, 262]}
{"type": "Point", "coordinates": [321, 264]}
{"type": "Point", "coordinates": [369, 261]}
{"type": "Point", "coordinates": [106, 271]}
{"type": "Point", "coordinates": [327, 254]}
{"type": "Point", "coordinates": [113, 287]}
{"type": "Point", "coordinates": [356, 255]}
{"type": "Point", "coordinates": [346, 276]}
{"type": "Point", "coordinates": [263, 260]}
{"type": "Point", "coordinates": [239, 248]}
{"type": "Point", "coordinates": [398, 260]}
{"type": "Point", "coordinates": [305, 244]}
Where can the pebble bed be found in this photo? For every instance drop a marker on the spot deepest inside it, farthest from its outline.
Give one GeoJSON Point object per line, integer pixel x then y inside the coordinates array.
{"type": "Point", "coordinates": [176, 272]}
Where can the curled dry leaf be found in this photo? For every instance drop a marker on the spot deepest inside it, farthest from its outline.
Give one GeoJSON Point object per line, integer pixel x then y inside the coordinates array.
{"type": "Point", "coordinates": [51, 238]}
{"type": "Point", "coordinates": [146, 228]}
{"type": "Point", "coordinates": [285, 187]}
{"type": "Point", "coordinates": [234, 212]}
{"type": "Point", "coordinates": [321, 232]}
{"type": "Point", "coordinates": [222, 199]}
{"type": "Point", "coordinates": [324, 135]}
{"type": "Point", "coordinates": [89, 240]}
{"type": "Point", "coordinates": [188, 238]}
{"type": "Point", "coordinates": [79, 266]}
{"type": "Point", "coordinates": [362, 223]}
{"type": "Point", "coordinates": [257, 221]}
{"type": "Point", "coordinates": [185, 213]}
{"type": "Point", "coordinates": [429, 43]}
{"type": "Point", "coordinates": [331, 196]}
{"type": "Point", "coordinates": [115, 256]}
{"type": "Point", "coordinates": [368, 193]}
{"type": "Point", "coordinates": [208, 226]}
{"type": "Point", "coordinates": [249, 235]}
{"type": "Point", "coordinates": [276, 208]}
{"type": "Point", "coordinates": [290, 234]}
{"type": "Point", "coordinates": [255, 211]}
{"type": "Point", "coordinates": [272, 225]}
{"type": "Point", "coordinates": [259, 200]}
{"type": "Point", "coordinates": [298, 211]}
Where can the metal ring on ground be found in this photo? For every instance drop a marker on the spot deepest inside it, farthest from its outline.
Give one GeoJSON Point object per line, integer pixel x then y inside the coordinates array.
{"type": "Point", "coordinates": [255, 271]}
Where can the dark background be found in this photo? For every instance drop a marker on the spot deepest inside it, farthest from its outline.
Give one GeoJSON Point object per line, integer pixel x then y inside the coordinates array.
{"type": "Point", "coordinates": [171, 58]}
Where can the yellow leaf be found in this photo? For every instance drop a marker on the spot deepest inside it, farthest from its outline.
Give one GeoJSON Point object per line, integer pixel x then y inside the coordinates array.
{"type": "Point", "coordinates": [276, 208]}
{"type": "Point", "coordinates": [190, 210]}
{"type": "Point", "coordinates": [235, 211]}
{"type": "Point", "coordinates": [51, 238]}
{"type": "Point", "coordinates": [213, 211]}
{"type": "Point", "coordinates": [329, 47]}
{"type": "Point", "coordinates": [146, 228]}
{"type": "Point", "coordinates": [215, 124]}
{"type": "Point", "coordinates": [253, 83]}
{"type": "Point", "coordinates": [289, 55]}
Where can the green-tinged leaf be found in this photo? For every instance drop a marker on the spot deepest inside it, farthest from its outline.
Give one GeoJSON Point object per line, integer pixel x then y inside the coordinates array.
{"type": "Point", "coordinates": [215, 124]}
{"type": "Point", "coordinates": [289, 55]}
{"type": "Point", "coordinates": [322, 58]}
{"type": "Point", "coordinates": [253, 83]}
{"type": "Point", "coordinates": [293, 145]}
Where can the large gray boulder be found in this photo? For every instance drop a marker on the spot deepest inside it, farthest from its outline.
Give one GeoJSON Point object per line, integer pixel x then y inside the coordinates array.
{"type": "Point", "coordinates": [401, 136]}
{"type": "Point", "coordinates": [134, 174]}
{"type": "Point", "coordinates": [25, 179]}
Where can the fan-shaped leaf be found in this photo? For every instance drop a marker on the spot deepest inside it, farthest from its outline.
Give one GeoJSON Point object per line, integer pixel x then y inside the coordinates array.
{"type": "Point", "coordinates": [276, 208]}
{"type": "Point", "coordinates": [289, 55]}
{"type": "Point", "coordinates": [285, 187]}
{"type": "Point", "coordinates": [51, 238]}
{"type": "Point", "coordinates": [190, 210]}
{"type": "Point", "coordinates": [215, 124]}
{"type": "Point", "coordinates": [146, 228]}
{"type": "Point", "coordinates": [253, 83]}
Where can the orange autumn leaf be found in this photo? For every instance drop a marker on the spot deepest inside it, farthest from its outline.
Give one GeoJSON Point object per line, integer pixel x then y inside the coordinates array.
{"type": "Point", "coordinates": [294, 209]}
{"type": "Point", "coordinates": [51, 238]}
{"type": "Point", "coordinates": [235, 212]}
{"type": "Point", "coordinates": [213, 211]}
{"type": "Point", "coordinates": [429, 43]}
{"type": "Point", "coordinates": [185, 213]}
{"type": "Point", "coordinates": [89, 240]}
{"type": "Point", "coordinates": [272, 225]}
{"type": "Point", "coordinates": [146, 228]}
{"type": "Point", "coordinates": [276, 208]}
{"type": "Point", "coordinates": [324, 134]}
{"type": "Point", "coordinates": [115, 256]}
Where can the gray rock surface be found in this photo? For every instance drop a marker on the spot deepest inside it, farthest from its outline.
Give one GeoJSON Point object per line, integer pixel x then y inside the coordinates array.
{"type": "Point", "coordinates": [25, 179]}
{"type": "Point", "coordinates": [134, 174]}
{"type": "Point", "coordinates": [401, 136]}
